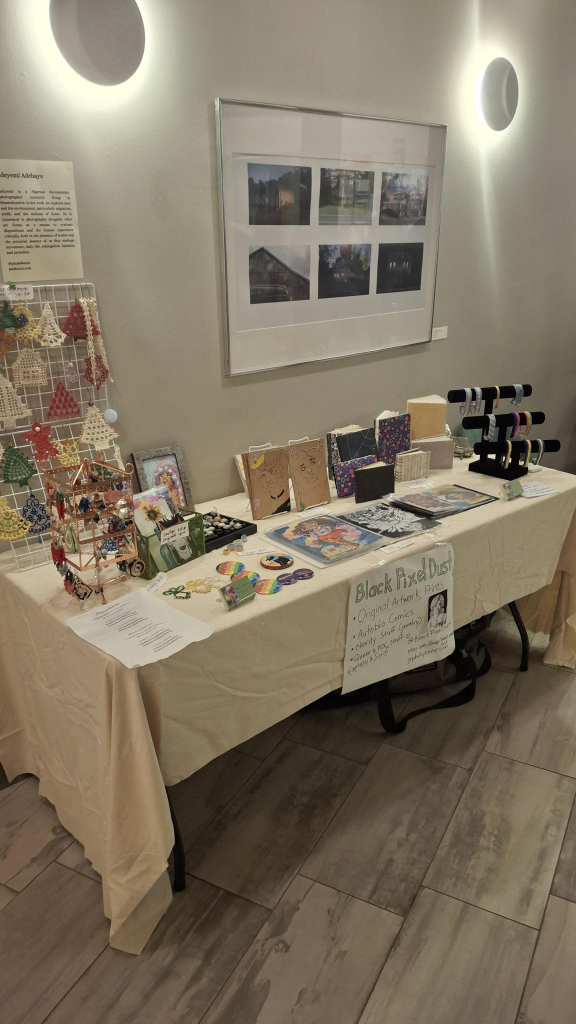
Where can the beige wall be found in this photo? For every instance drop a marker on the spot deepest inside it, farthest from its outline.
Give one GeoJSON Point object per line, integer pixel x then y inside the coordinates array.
{"type": "Point", "coordinates": [144, 162]}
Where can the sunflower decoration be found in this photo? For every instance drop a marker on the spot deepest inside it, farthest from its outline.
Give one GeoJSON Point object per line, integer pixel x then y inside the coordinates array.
{"type": "Point", "coordinates": [152, 513]}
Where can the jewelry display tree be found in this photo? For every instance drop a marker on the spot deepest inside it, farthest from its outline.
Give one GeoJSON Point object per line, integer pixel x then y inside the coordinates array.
{"type": "Point", "coordinates": [53, 377]}
{"type": "Point", "coordinates": [501, 456]}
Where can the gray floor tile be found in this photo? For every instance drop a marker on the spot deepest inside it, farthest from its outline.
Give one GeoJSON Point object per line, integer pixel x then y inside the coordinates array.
{"type": "Point", "coordinates": [456, 735]}
{"type": "Point", "coordinates": [382, 841]}
{"type": "Point", "coordinates": [263, 743]}
{"type": "Point", "coordinates": [537, 723]}
{"type": "Point", "coordinates": [452, 964]}
{"type": "Point", "coordinates": [198, 800]}
{"type": "Point", "coordinates": [315, 961]}
{"type": "Point", "coordinates": [6, 896]}
{"type": "Point", "coordinates": [354, 731]}
{"type": "Point", "coordinates": [260, 840]}
{"type": "Point", "coordinates": [196, 945]}
{"type": "Point", "coordinates": [49, 935]}
{"type": "Point", "coordinates": [550, 994]}
{"type": "Point", "coordinates": [73, 857]}
{"type": "Point", "coordinates": [564, 884]}
{"type": "Point", "coordinates": [502, 845]}
{"type": "Point", "coordinates": [30, 835]}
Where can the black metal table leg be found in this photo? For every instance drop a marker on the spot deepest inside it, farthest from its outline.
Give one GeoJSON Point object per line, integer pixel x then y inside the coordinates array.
{"type": "Point", "coordinates": [523, 636]}
{"type": "Point", "coordinates": [179, 855]}
{"type": "Point", "coordinates": [385, 709]}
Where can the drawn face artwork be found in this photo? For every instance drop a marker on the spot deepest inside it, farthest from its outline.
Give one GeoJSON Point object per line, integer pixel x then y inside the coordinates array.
{"type": "Point", "coordinates": [308, 471]}
{"type": "Point", "coordinates": [270, 482]}
{"type": "Point", "coordinates": [437, 610]}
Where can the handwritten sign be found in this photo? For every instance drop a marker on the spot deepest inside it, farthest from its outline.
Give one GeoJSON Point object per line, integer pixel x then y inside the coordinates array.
{"type": "Point", "coordinates": [399, 617]}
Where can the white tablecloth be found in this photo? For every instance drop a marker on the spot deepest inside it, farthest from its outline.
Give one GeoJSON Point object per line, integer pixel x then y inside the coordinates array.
{"type": "Point", "coordinates": [105, 740]}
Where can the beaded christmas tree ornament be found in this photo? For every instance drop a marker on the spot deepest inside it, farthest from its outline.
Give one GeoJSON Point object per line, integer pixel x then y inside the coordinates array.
{"type": "Point", "coordinates": [29, 369]}
{"type": "Point", "coordinates": [34, 513]}
{"type": "Point", "coordinates": [68, 452]}
{"type": "Point", "coordinates": [12, 407]}
{"type": "Point", "coordinates": [17, 468]}
{"type": "Point", "coordinates": [12, 526]}
{"type": "Point", "coordinates": [26, 328]}
{"type": "Point", "coordinates": [95, 431]}
{"type": "Point", "coordinates": [39, 438]}
{"type": "Point", "coordinates": [49, 334]}
{"type": "Point", "coordinates": [63, 405]}
{"type": "Point", "coordinates": [75, 323]}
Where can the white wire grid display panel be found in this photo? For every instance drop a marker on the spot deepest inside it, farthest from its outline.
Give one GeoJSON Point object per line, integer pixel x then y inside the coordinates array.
{"type": "Point", "coordinates": [32, 551]}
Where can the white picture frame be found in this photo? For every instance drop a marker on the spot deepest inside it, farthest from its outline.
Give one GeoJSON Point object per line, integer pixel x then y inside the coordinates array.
{"type": "Point", "coordinates": [330, 231]}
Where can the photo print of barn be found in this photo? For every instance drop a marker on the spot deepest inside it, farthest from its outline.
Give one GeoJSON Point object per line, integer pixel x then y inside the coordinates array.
{"type": "Point", "coordinates": [280, 273]}
{"type": "Point", "coordinates": [404, 197]}
{"type": "Point", "coordinates": [279, 194]}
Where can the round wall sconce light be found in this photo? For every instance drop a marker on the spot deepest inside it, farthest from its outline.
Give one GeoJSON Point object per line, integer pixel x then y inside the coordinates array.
{"type": "Point", "coordinates": [102, 40]}
{"type": "Point", "coordinates": [497, 94]}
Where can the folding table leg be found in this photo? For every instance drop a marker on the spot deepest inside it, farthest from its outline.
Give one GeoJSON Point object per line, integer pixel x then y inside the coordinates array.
{"type": "Point", "coordinates": [179, 855]}
{"type": "Point", "coordinates": [523, 636]}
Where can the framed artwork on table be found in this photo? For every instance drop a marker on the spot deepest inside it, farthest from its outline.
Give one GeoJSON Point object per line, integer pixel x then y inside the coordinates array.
{"type": "Point", "coordinates": [164, 467]}
{"type": "Point", "coordinates": [330, 230]}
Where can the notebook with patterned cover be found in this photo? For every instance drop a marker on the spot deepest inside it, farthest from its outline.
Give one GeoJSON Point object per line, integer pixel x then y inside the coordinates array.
{"type": "Point", "coordinates": [357, 444]}
{"type": "Point", "coordinates": [393, 433]}
{"type": "Point", "coordinates": [344, 474]}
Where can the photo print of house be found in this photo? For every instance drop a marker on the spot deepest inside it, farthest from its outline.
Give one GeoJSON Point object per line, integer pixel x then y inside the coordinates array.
{"type": "Point", "coordinates": [345, 196]}
{"type": "Point", "coordinates": [343, 270]}
{"type": "Point", "coordinates": [279, 273]}
{"type": "Point", "coordinates": [279, 194]}
{"type": "Point", "coordinates": [404, 197]}
{"type": "Point", "coordinates": [400, 267]}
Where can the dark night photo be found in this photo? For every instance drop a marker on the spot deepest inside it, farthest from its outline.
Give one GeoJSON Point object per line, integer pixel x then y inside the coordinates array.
{"type": "Point", "coordinates": [400, 267]}
{"type": "Point", "coordinates": [279, 194]}
{"type": "Point", "coordinates": [343, 270]}
{"type": "Point", "coordinates": [280, 273]}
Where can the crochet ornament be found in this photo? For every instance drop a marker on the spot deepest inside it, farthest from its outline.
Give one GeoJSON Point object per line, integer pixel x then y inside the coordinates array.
{"type": "Point", "coordinates": [68, 452]}
{"type": "Point", "coordinates": [96, 433]}
{"type": "Point", "coordinates": [12, 407]}
{"type": "Point", "coordinates": [26, 329]}
{"type": "Point", "coordinates": [39, 438]}
{"type": "Point", "coordinates": [96, 373]}
{"type": "Point", "coordinates": [29, 369]}
{"type": "Point", "coordinates": [17, 469]}
{"type": "Point", "coordinates": [63, 405]}
{"type": "Point", "coordinates": [92, 323]}
{"type": "Point", "coordinates": [12, 526]}
{"type": "Point", "coordinates": [34, 512]}
{"type": "Point", "coordinates": [49, 334]}
{"type": "Point", "coordinates": [75, 323]}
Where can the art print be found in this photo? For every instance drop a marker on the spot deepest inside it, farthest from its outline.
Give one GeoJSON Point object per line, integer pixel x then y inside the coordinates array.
{"type": "Point", "coordinates": [164, 467]}
{"type": "Point", "coordinates": [307, 466]}
{"type": "Point", "coordinates": [390, 522]}
{"type": "Point", "coordinates": [325, 539]}
{"type": "Point", "coordinates": [268, 482]}
{"type": "Point", "coordinates": [330, 230]}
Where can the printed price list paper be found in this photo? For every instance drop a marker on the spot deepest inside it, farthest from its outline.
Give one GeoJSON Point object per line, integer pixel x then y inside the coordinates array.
{"type": "Point", "coordinates": [39, 237]}
{"type": "Point", "coordinates": [400, 616]}
{"type": "Point", "coordinates": [139, 629]}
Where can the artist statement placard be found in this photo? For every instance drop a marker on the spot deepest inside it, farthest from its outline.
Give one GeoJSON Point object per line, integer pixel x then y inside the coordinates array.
{"type": "Point", "coordinates": [399, 617]}
{"type": "Point", "coordinates": [39, 238]}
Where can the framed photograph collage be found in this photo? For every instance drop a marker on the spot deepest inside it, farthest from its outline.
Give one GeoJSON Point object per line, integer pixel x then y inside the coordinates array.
{"type": "Point", "coordinates": [330, 226]}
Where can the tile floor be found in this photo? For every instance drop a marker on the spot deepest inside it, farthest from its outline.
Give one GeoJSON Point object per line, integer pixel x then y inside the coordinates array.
{"type": "Point", "coordinates": [336, 875]}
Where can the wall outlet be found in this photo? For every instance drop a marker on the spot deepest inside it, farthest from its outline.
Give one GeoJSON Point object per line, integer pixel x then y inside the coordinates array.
{"type": "Point", "coordinates": [439, 332]}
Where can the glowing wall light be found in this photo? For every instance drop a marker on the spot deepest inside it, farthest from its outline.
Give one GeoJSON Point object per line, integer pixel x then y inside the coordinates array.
{"type": "Point", "coordinates": [496, 94]}
{"type": "Point", "coordinates": [102, 40]}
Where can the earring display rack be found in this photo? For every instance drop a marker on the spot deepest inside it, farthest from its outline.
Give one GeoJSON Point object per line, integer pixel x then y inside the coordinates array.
{"type": "Point", "coordinates": [495, 453]}
{"type": "Point", "coordinates": [32, 551]}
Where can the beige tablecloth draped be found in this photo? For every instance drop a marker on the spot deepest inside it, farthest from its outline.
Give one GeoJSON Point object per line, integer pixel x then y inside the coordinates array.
{"type": "Point", "coordinates": [105, 740]}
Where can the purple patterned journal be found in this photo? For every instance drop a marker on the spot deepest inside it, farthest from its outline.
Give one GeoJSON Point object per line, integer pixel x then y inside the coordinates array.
{"type": "Point", "coordinates": [344, 474]}
{"type": "Point", "coordinates": [393, 437]}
